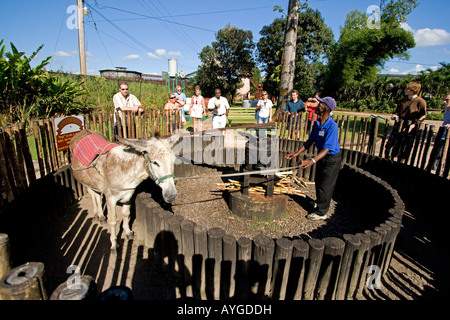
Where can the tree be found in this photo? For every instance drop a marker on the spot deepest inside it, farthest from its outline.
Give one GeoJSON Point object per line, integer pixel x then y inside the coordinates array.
{"type": "Point", "coordinates": [361, 50]}
{"type": "Point", "coordinates": [313, 40]}
{"type": "Point", "coordinates": [226, 61]}
{"type": "Point", "coordinates": [208, 75]}
{"type": "Point", "coordinates": [286, 84]}
{"type": "Point", "coordinates": [27, 92]}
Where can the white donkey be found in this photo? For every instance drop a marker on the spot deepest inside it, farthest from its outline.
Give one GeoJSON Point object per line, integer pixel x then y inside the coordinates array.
{"type": "Point", "coordinates": [115, 170]}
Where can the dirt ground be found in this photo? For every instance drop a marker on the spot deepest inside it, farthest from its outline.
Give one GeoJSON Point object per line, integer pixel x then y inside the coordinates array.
{"type": "Point", "coordinates": [417, 269]}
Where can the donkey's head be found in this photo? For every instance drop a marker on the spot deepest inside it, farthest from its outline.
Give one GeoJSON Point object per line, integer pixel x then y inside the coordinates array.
{"type": "Point", "coordinates": [159, 163]}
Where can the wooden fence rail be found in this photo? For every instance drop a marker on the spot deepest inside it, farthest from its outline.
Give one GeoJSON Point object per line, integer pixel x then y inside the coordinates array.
{"type": "Point", "coordinates": [430, 144]}
{"type": "Point", "coordinates": [18, 169]}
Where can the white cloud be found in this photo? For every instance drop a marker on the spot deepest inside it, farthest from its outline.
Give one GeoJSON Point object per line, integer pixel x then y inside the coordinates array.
{"type": "Point", "coordinates": [63, 54]}
{"type": "Point", "coordinates": [418, 68]}
{"type": "Point", "coordinates": [153, 56]}
{"type": "Point", "coordinates": [174, 53]}
{"type": "Point", "coordinates": [132, 57]}
{"type": "Point", "coordinates": [394, 70]}
{"type": "Point", "coordinates": [428, 37]}
{"type": "Point", "coordinates": [159, 53]}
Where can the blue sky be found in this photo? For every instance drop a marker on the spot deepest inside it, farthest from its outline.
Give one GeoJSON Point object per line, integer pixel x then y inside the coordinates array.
{"type": "Point", "coordinates": [142, 35]}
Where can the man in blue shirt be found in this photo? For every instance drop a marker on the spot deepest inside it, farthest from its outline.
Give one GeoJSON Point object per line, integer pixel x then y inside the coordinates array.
{"type": "Point", "coordinates": [325, 136]}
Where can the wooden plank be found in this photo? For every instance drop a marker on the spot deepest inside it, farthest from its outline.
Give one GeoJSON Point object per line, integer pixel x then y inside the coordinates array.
{"type": "Point", "coordinates": [228, 268]}
{"type": "Point", "coordinates": [16, 178]}
{"type": "Point", "coordinates": [244, 257]}
{"type": "Point", "coordinates": [352, 245]}
{"type": "Point", "coordinates": [358, 276]}
{"type": "Point", "coordinates": [316, 249]}
{"type": "Point", "coordinates": [188, 251]}
{"type": "Point", "coordinates": [213, 263]}
{"type": "Point", "coordinates": [5, 186]}
{"type": "Point", "coordinates": [330, 268]}
{"type": "Point", "coordinates": [263, 251]}
{"type": "Point", "coordinates": [198, 263]}
{"type": "Point", "coordinates": [281, 267]}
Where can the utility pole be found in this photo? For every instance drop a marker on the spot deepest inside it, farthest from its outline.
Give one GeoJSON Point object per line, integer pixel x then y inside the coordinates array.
{"type": "Point", "coordinates": [288, 59]}
{"type": "Point", "coordinates": [80, 17]}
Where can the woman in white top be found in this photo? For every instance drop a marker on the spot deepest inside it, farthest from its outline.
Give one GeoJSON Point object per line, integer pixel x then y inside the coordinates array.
{"type": "Point", "coordinates": [264, 109]}
{"type": "Point", "coordinates": [197, 109]}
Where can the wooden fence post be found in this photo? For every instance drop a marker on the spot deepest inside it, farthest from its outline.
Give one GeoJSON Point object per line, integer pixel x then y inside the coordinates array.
{"type": "Point", "coordinates": [263, 250]}
{"type": "Point", "coordinates": [244, 256]}
{"type": "Point", "coordinates": [373, 136]}
{"type": "Point", "coordinates": [281, 266]}
{"type": "Point", "coordinates": [213, 263]}
{"type": "Point", "coordinates": [228, 267]}
{"type": "Point", "coordinates": [198, 263]}
{"type": "Point", "coordinates": [358, 276]}
{"type": "Point", "coordinates": [188, 251]}
{"type": "Point", "coordinates": [352, 245]}
{"type": "Point", "coordinates": [25, 282]}
{"type": "Point", "coordinates": [175, 265]}
{"type": "Point", "coordinates": [5, 257]}
{"type": "Point", "coordinates": [300, 254]}
{"type": "Point", "coordinates": [316, 248]}
{"type": "Point", "coordinates": [330, 268]}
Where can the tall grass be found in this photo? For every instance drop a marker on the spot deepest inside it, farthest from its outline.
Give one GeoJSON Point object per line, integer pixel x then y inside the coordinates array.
{"type": "Point", "coordinates": [100, 92]}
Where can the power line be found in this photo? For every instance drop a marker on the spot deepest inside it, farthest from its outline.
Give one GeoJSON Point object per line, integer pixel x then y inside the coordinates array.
{"type": "Point", "coordinates": [174, 29]}
{"type": "Point", "coordinates": [157, 55]}
{"type": "Point", "coordinates": [406, 62]}
{"type": "Point", "coordinates": [160, 19]}
{"type": "Point", "coordinates": [103, 44]}
{"type": "Point", "coordinates": [188, 14]}
{"type": "Point", "coordinates": [57, 38]}
{"type": "Point", "coordinates": [126, 44]}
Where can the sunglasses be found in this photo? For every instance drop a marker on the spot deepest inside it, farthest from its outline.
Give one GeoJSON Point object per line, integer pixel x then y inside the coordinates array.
{"type": "Point", "coordinates": [124, 89]}
{"type": "Point", "coordinates": [172, 97]}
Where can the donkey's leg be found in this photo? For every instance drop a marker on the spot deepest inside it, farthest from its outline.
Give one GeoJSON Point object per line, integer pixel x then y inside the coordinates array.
{"type": "Point", "coordinates": [126, 221]}
{"type": "Point", "coordinates": [97, 201]}
{"type": "Point", "coordinates": [112, 220]}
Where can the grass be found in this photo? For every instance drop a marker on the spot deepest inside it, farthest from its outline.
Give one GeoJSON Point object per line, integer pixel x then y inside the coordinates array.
{"type": "Point", "coordinates": [260, 222]}
{"type": "Point", "coordinates": [32, 147]}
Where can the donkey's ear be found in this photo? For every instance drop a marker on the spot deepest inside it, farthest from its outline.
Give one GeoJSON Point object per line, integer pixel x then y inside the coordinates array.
{"type": "Point", "coordinates": [173, 140]}
{"type": "Point", "coordinates": [139, 145]}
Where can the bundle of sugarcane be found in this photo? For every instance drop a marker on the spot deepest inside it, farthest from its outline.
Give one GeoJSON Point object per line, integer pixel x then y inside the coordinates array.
{"type": "Point", "coordinates": [232, 185]}
{"type": "Point", "coordinates": [284, 186]}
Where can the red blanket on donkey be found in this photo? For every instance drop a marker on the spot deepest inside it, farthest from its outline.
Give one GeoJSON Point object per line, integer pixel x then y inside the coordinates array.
{"type": "Point", "coordinates": [90, 147]}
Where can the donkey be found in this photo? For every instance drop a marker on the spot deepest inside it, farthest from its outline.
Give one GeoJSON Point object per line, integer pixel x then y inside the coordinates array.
{"type": "Point", "coordinates": [117, 172]}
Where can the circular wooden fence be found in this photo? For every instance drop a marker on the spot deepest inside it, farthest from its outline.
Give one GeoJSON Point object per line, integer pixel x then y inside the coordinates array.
{"type": "Point", "coordinates": [215, 265]}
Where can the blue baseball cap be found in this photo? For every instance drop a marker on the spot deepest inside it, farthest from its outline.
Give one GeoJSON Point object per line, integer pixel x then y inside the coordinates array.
{"type": "Point", "coordinates": [329, 101]}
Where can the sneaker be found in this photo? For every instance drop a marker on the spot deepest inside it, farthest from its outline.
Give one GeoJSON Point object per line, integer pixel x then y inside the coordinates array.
{"type": "Point", "coordinates": [315, 216]}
